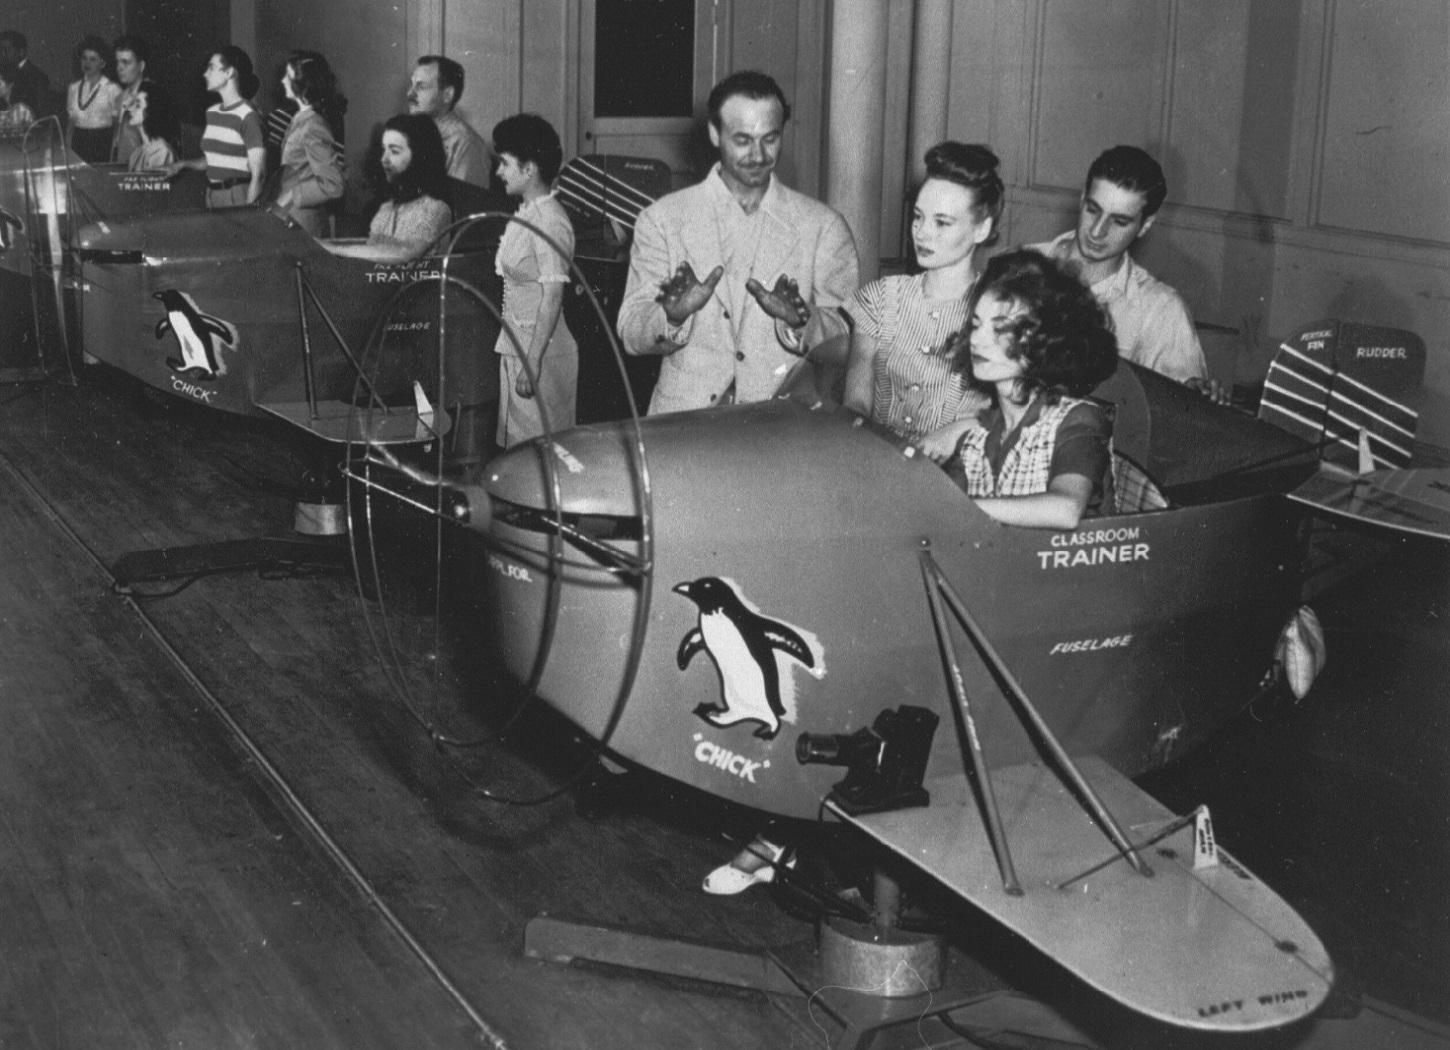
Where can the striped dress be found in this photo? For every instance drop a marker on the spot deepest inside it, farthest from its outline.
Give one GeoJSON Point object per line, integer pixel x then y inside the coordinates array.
{"type": "Point", "coordinates": [913, 388]}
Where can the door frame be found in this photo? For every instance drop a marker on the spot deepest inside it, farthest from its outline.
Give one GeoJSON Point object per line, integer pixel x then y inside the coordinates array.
{"type": "Point", "coordinates": [711, 44]}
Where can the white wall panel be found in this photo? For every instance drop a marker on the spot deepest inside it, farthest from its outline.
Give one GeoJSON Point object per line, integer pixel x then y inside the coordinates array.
{"type": "Point", "coordinates": [1385, 163]}
{"type": "Point", "coordinates": [1099, 83]}
{"type": "Point", "coordinates": [483, 37]}
{"type": "Point", "coordinates": [1231, 105]}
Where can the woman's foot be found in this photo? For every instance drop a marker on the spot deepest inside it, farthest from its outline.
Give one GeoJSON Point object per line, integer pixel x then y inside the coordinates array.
{"type": "Point", "coordinates": [755, 864]}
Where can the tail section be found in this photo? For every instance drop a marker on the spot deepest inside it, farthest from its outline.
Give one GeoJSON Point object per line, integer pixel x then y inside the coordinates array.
{"type": "Point", "coordinates": [611, 189]}
{"type": "Point", "coordinates": [1344, 384]}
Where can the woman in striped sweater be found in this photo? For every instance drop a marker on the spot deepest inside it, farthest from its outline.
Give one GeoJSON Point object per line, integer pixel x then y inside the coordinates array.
{"type": "Point", "coordinates": [234, 151]}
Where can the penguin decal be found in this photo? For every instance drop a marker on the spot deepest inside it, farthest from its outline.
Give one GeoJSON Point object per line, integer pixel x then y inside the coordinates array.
{"type": "Point", "coordinates": [199, 335]}
{"type": "Point", "coordinates": [744, 644]}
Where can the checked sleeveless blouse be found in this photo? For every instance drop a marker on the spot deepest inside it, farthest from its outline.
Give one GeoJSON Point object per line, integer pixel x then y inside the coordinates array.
{"type": "Point", "coordinates": [1026, 468]}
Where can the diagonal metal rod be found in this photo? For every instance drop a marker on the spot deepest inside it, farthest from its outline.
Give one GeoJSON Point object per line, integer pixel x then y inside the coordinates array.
{"type": "Point", "coordinates": [1174, 826]}
{"type": "Point", "coordinates": [1029, 714]}
{"type": "Point", "coordinates": [309, 391]}
{"type": "Point", "coordinates": [304, 288]}
{"type": "Point", "coordinates": [935, 582]}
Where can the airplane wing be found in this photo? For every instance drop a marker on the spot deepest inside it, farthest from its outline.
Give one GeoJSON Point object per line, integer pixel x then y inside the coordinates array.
{"type": "Point", "coordinates": [1415, 501]}
{"type": "Point", "coordinates": [1207, 947]}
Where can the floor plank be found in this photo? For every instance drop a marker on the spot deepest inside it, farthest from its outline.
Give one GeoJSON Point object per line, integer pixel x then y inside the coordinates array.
{"type": "Point", "coordinates": [152, 890]}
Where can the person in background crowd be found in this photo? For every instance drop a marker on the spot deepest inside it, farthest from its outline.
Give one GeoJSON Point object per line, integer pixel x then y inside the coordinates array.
{"type": "Point", "coordinates": [152, 113]}
{"type": "Point", "coordinates": [311, 158]}
{"type": "Point", "coordinates": [414, 213]}
{"type": "Point", "coordinates": [1041, 456]}
{"type": "Point", "coordinates": [434, 90]}
{"type": "Point", "coordinates": [901, 371]}
{"type": "Point", "coordinates": [14, 113]}
{"type": "Point", "coordinates": [92, 104]}
{"type": "Point", "coordinates": [28, 82]}
{"type": "Point", "coordinates": [535, 274]}
{"type": "Point", "coordinates": [726, 335]}
{"type": "Point", "coordinates": [130, 53]}
{"type": "Point", "coordinates": [1121, 196]}
{"type": "Point", "coordinates": [234, 154]}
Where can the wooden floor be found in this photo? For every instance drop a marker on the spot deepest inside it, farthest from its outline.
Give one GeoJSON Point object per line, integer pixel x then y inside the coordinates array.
{"type": "Point", "coordinates": [219, 828]}
{"type": "Point", "coordinates": [162, 881]}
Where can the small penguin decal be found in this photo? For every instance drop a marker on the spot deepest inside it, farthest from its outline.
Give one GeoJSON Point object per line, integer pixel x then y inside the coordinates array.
{"type": "Point", "coordinates": [744, 644]}
{"type": "Point", "coordinates": [199, 335]}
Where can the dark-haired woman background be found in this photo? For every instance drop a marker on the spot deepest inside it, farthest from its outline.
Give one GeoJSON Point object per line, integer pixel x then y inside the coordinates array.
{"type": "Point", "coordinates": [150, 111]}
{"type": "Point", "coordinates": [311, 158]}
{"type": "Point", "coordinates": [414, 212]}
{"type": "Point", "coordinates": [534, 274]}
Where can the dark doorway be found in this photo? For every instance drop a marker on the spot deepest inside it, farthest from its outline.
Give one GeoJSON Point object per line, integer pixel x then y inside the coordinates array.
{"type": "Point", "coordinates": [182, 34]}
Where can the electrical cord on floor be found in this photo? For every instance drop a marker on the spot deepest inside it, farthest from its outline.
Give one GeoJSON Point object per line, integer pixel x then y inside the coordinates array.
{"type": "Point", "coordinates": [294, 572]}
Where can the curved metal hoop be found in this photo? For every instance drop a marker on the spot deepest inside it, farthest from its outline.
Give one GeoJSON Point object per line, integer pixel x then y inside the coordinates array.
{"type": "Point", "coordinates": [446, 503]}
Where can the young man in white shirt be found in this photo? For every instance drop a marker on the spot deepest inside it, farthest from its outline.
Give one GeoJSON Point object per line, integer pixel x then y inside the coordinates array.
{"type": "Point", "coordinates": [1121, 196]}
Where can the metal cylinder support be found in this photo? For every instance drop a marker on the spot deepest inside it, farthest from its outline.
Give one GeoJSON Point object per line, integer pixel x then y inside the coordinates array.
{"type": "Point", "coordinates": [891, 964]}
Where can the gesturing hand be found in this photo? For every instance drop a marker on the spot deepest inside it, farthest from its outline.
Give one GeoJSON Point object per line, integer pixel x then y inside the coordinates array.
{"type": "Point", "coordinates": [783, 302]}
{"type": "Point", "coordinates": [684, 293]}
{"type": "Point", "coordinates": [1220, 393]}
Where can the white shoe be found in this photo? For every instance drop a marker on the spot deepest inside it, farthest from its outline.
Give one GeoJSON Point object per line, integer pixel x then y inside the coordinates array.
{"type": "Point", "coordinates": [730, 879]}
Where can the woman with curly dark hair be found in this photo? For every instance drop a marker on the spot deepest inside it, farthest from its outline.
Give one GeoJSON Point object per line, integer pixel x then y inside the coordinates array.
{"type": "Point", "coordinates": [414, 212]}
{"type": "Point", "coordinates": [1038, 342]}
{"type": "Point", "coordinates": [311, 158]}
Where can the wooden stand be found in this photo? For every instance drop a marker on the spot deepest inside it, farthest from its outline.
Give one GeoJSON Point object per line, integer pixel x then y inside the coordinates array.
{"type": "Point", "coordinates": [813, 985]}
{"type": "Point", "coordinates": [793, 971]}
